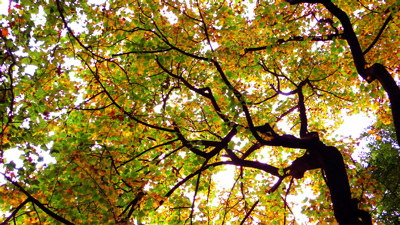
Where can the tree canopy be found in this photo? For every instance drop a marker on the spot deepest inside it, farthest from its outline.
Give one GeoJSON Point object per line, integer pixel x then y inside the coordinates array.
{"type": "Point", "coordinates": [384, 159]}
{"type": "Point", "coordinates": [193, 112]}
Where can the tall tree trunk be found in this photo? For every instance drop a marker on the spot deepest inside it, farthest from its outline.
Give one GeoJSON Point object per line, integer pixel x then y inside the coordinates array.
{"type": "Point", "coordinates": [345, 208]}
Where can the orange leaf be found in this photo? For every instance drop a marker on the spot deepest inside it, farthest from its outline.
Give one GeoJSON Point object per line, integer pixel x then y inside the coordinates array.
{"type": "Point", "coordinates": [4, 32]}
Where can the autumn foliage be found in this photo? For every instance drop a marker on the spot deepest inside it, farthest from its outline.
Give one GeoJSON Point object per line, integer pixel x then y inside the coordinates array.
{"type": "Point", "coordinates": [193, 112]}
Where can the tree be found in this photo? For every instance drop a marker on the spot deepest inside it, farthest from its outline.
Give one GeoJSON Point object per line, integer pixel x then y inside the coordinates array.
{"type": "Point", "coordinates": [383, 158]}
{"type": "Point", "coordinates": [143, 103]}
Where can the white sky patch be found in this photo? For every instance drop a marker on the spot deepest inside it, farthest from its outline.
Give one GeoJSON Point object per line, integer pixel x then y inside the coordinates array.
{"type": "Point", "coordinates": [4, 7]}
{"type": "Point", "coordinates": [79, 26]}
{"type": "Point", "coordinates": [30, 69]}
{"type": "Point", "coordinates": [249, 11]}
{"type": "Point", "coordinates": [96, 2]}
{"type": "Point", "coordinates": [225, 178]}
{"type": "Point", "coordinates": [354, 125]}
{"type": "Point", "coordinates": [172, 18]}
{"type": "Point", "coordinates": [358, 13]}
{"type": "Point", "coordinates": [294, 200]}
{"type": "Point", "coordinates": [207, 47]}
{"type": "Point", "coordinates": [15, 155]}
{"type": "Point", "coordinates": [158, 108]}
{"type": "Point", "coordinates": [39, 18]}
{"type": "Point", "coordinates": [69, 63]}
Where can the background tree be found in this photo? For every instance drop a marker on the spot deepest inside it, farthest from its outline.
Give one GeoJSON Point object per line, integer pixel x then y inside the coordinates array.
{"type": "Point", "coordinates": [384, 160]}
{"type": "Point", "coordinates": [144, 103]}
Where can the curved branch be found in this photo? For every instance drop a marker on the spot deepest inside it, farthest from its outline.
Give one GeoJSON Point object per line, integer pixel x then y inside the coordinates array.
{"type": "Point", "coordinates": [393, 91]}
{"type": "Point", "coordinates": [15, 211]}
{"type": "Point", "coordinates": [251, 150]}
{"type": "Point", "coordinates": [172, 190]}
{"type": "Point", "coordinates": [333, 94]}
{"type": "Point", "coordinates": [132, 205]}
{"type": "Point", "coordinates": [38, 203]}
{"type": "Point", "coordinates": [142, 52]}
{"type": "Point", "coordinates": [349, 34]}
{"type": "Point", "coordinates": [71, 32]}
{"type": "Point", "coordinates": [276, 185]}
{"type": "Point", "coordinates": [205, 28]}
{"type": "Point", "coordinates": [379, 34]}
{"type": "Point", "coordinates": [136, 156]}
{"type": "Point", "coordinates": [280, 41]}
{"type": "Point", "coordinates": [376, 71]}
{"type": "Point", "coordinates": [95, 74]}
{"type": "Point", "coordinates": [218, 146]}
{"type": "Point", "coordinates": [205, 92]}
{"type": "Point", "coordinates": [302, 110]}
{"type": "Point", "coordinates": [249, 212]}
{"type": "Point", "coordinates": [253, 164]}
{"type": "Point", "coordinates": [165, 40]}
{"type": "Point", "coordinates": [189, 145]}
{"type": "Point", "coordinates": [240, 98]}
{"type": "Point", "coordinates": [238, 162]}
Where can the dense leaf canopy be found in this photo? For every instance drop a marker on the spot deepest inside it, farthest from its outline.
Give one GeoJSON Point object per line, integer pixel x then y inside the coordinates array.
{"type": "Point", "coordinates": [384, 159]}
{"type": "Point", "coordinates": [190, 112]}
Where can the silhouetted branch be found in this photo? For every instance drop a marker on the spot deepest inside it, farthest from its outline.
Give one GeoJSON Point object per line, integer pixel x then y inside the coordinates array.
{"type": "Point", "coordinates": [252, 164]}
{"type": "Point", "coordinates": [376, 71]}
{"type": "Point", "coordinates": [171, 191]}
{"type": "Point", "coordinates": [249, 212]}
{"type": "Point", "coordinates": [239, 97]}
{"type": "Point", "coordinates": [205, 92]}
{"type": "Point", "coordinates": [192, 208]}
{"type": "Point", "coordinates": [15, 211]}
{"type": "Point", "coordinates": [132, 206]}
{"type": "Point", "coordinates": [142, 52]}
{"type": "Point", "coordinates": [38, 203]}
{"type": "Point", "coordinates": [96, 76]}
{"type": "Point", "coordinates": [143, 152]}
{"type": "Point", "coordinates": [302, 110]}
{"type": "Point", "coordinates": [277, 184]}
{"type": "Point", "coordinates": [280, 41]}
{"type": "Point", "coordinates": [379, 34]}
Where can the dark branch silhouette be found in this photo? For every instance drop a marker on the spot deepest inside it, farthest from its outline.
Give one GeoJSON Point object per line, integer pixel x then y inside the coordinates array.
{"type": "Point", "coordinates": [38, 203]}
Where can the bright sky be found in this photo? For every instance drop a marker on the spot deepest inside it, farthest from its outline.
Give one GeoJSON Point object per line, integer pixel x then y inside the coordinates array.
{"type": "Point", "coordinates": [3, 7]}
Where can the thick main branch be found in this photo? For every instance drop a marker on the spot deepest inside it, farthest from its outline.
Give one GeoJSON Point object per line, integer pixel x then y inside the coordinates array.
{"type": "Point", "coordinates": [377, 71]}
